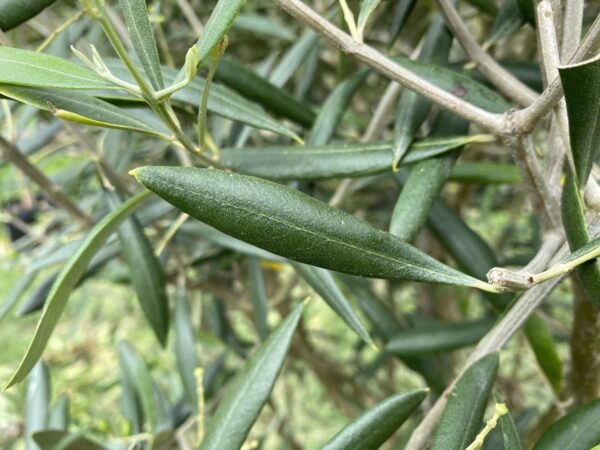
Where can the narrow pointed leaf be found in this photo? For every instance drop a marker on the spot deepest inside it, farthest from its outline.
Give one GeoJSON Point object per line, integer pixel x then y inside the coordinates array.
{"type": "Point", "coordinates": [146, 273]}
{"type": "Point", "coordinates": [28, 68]}
{"type": "Point", "coordinates": [366, 9]}
{"type": "Point", "coordinates": [403, 10]}
{"type": "Point", "coordinates": [581, 85]}
{"type": "Point", "coordinates": [578, 430]}
{"type": "Point", "coordinates": [16, 292]}
{"type": "Point", "coordinates": [543, 345]}
{"type": "Point", "coordinates": [78, 107]}
{"type": "Point", "coordinates": [15, 12]}
{"type": "Point", "coordinates": [36, 403]}
{"type": "Point", "coordinates": [485, 173]}
{"type": "Point", "coordinates": [510, 434]}
{"type": "Point", "coordinates": [258, 24]}
{"type": "Point", "coordinates": [249, 391]}
{"type": "Point", "coordinates": [59, 416]}
{"type": "Point", "coordinates": [61, 439]}
{"type": "Point", "coordinates": [378, 424]}
{"type": "Point", "coordinates": [324, 284]}
{"type": "Point", "coordinates": [334, 160]}
{"type": "Point", "coordinates": [142, 37]}
{"type": "Point", "coordinates": [67, 280]}
{"type": "Point", "coordinates": [437, 338]}
{"type": "Point", "coordinates": [463, 415]}
{"type": "Point", "coordinates": [294, 57]}
{"type": "Point", "coordinates": [130, 401]}
{"type": "Point", "coordinates": [218, 24]}
{"type": "Point", "coordinates": [289, 223]}
{"type": "Point", "coordinates": [185, 350]}
{"type": "Point", "coordinates": [258, 296]}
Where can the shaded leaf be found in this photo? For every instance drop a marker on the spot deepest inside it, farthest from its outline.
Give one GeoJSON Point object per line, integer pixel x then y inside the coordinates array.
{"type": "Point", "coordinates": [324, 284]}
{"type": "Point", "coordinates": [258, 296]}
{"type": "Point", "coordinates": [486, 173]}
{"type": "Point", "coordinates": [542, 343]}
{"type": "Point", "coordinates": [249, 391]}
{"type": "Point", "coordinates": [510, 434]}
{"type": "Point", "coordinates": [378, 424]}
{"type": "Point", "coordinates": [287, 222]}
{"type": "Point", "coordinates": [59, 416]}
{"type": "Point", "coordinates": [294, 57]}
{"type": "Point", "coordinates": [28, 68]}
{"type": "Point", "coordinates": [257, 24]}
{"type": "Point", "coordinates": [17, 291]}
{"type": "Point", "coordinates": [63, 440]}
{"type": "Point", "coordinates": [15, 12]}
{"type": "Point", "coordinates": [185, 349]}
{"type": "Point", "coordinates": [463, 415]}
{"type": "Point", "coordinates": [37, 402]}
{"type": "Point", "coordinates": [366, 9]}
{"type": "Point", "coordinates": [68, 279]}
{"type": "Point", "coordinates": [403, 10]}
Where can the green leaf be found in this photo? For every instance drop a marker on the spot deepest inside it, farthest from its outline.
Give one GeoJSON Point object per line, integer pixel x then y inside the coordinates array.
{"type": "Point", "coordinates": [59, 416]}
{"type": "Point", "coordinates": [131, 403]}
{"type": "Point", "coordinates": [142, 37]}
{"type": "Point", "coordinates": [63, 440]}
{"type": "Point", "coordinates": [333, 160]}
{"type": "Point", "coordinates": [485, 6]}
{"type": "Point", "coordinates": [258, 296]}
{"type": "Point", "coordinates": [323, 282]}
{"type": "Point", "coordinates": [438, 337]}
{"type": "Point", "coordinates": [15, 12]}
{"type": "Point", "coordinates": [509, 19]}
{"type": "Point", "coordinates": [185, 350]}
{"type": "Point", "coordinates": [334, 108]}
{"type": "Point", "coordinates": [546, 354]}
{"type": "Point", "coordinates": [17, 292]}
{"type": "Point", "coordinates": [146, 273]}
{"type": "Point", "coordinates": [486, 173]}
{"type": "Point", "coordinates": [578, 430]}
{"type": "Point", "coordinates": [28, 68]}
{"type": "Point", "coordinates": [220, 21]}
{"type": "Point", "coordinates": [293, 58]}
{"type": "Point", "coordinates": [67, 280]}
{"type": "Point", "coordinates": [425, 182]}
{"type": "Point", "coordinates": [78, 107]}
{"type": "Point", "coordinates": [366, 9]}
{"type": "Point", "coordinates": [463, 415]}
{"type": "Point", "coordinates": [249, 391]}
{"type": "Point", "coordinates": [254, 87]}
{"type": "Point", "coordinates": [378, 424]}
{"type": "Point", "coordinates": [36, 403]}
{"type": "Point", "coordinates": [289, 223]}
{"type": "Point", "coordinates": [575, 225]}
{"type": "Point", "coordinates": [510, 434]}
{"type": "Point", "coordinates": [403, 10]}
{"type": "Point", "coordinates": [581, 86]}
{"type": "Point", "coordinates": [527, 9]}
{"type": "Point", "coordinates": [257, 24]}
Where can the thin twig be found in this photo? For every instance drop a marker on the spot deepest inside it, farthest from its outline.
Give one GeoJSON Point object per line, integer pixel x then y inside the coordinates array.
{"type": "Point", "coordinates": [14, 156]}
{"type": "Point", "coordinates": [502, 79]}
{"type": "Point", "coordinates": [495, 123]}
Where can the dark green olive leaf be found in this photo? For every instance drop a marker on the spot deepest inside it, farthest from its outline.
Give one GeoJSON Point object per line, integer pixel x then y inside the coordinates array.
{"type": "Point", "coordinates": [289, 223]}
{"type": "Point", "coordinates": [485, 173]}
{"type": "Point", "coordinates": [485, 6]}
{"type": "Point", "coordinates": [68, 279]}
{"type": "Point", "coordinates": [334, 108]}
{"type": "Point", "coordinates": [542, 343]}
{"type": "Point", "coordinates": [257, 24]}
{"type": "Point", "coordinates": [185, 350]}
{"type": "Point", "coordinates": [333, 160]}
{"type": "Point", "coordinates": [78, 107]}
{"type": "Point", "coordinates": [575, 226]}
{"type": "Point", "coordinates": [139, 375]}
{"type": "Point", "coordinates": [378, 424]}
{"type": "Point", "coordinates": [221, 19]}
{"type": "Point", "coordinates": [59, 416]}
{"type": "Point", "coordinates": [510, 434]}
{"type": "Point", "coordinates": [324, 284]}
{"type": "Point", "coordinates": [463, 415]}
{"type": "Point", "coordinates": [249, 391]}
{"type": "Point", "coordinates": [438, 337]}
{"type": "Point", "coordinates": [15, 12]}
{"type": "Point", "coordinates": [17, 292]}
{"type": "Point", "coordinates": [578, 430]}
{"type": "Point", "coordinates": [425, 182]}
{"type": "Point", "coordinates": [63, 440]}
{"type": "Point", "coordinates": [258, 296]}
{"type": "Point", "coordinates": [527, 8]}
{"type": "Point", "coordinates": [222, 101]}
{"type": "Point", "coordinates": [413, 108]}
{"type": "Point", "coordinates": [581, 85]}
{"type": "Point", "coordinates": [36, 403]}
{"type": "Point", "coordinates": [403, 10]}
{"type": "Point", "coordinates": [142, 37]}
{"type": "Point", "coordinates": [509, 19]}
{"type": "Point", "coordinates": [254, 87]}
{"type": "Point", "coordinates": [293, 58]}
{"type": "Point", "coordinates": [146, 273]}
{"type": "Point", "coordinates": [28, 68]}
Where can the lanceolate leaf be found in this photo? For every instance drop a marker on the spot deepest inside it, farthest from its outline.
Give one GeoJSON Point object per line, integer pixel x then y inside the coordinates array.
{"type": "Point", "coordinates": [289, 223]}
{"type": "Point", "coordinates": [578, 430]}
{"type": "Point", "coordinates": [146, 273]}
{"type": "Point", "coordinates": [142, 37]}
{"type": "Point", "coordinates": [67, 280]}
{"type": "Point", "coordinates": [378, 424]}
{"type": "Point", "coordinates": [463, 415]}
{"type": "Point", "coordinates": [542, 343]}
{"type": "Point", "coordinates": [485, 173]}
{"type": "Point", "coordinates": [27, 68]}
{"type": "Point", "coordinates": [366, 9]}
{"type": "Point", "coordinates": [324, 284]}
{"type": "Point", "coordinates": [333, 160]}
{"type": "Point", "coordinates": [247, 394]}
{"type": "Point", "coordinates": [510, 434]}
{"type": "Point", "coordinates": [15, 12]}
{"type": "Point", "coordinates": [437, 338]}
{"type": "Point", "coordinates": [36, 403]}
{"type": "Point", "coordinates": [258, 295]}
{"type": "Point", "coordinates": [78, 107]}
{"type": "Point", "coordinates": [220, 21]}
{"type": "Point", "coordinates": [581, 85]}
{"type": "Point", "coordinates": [53, 439]}
{"type": "Point", "coordinates": [294, 57]}
{"type": "Point", "coordinates": [185, 350]}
